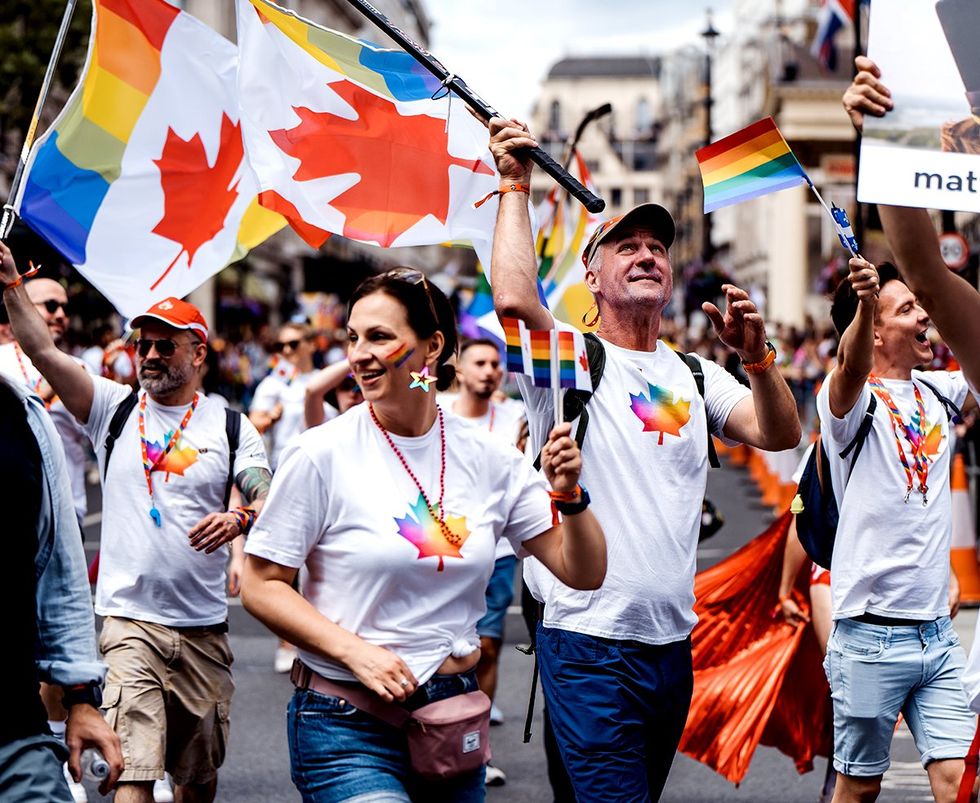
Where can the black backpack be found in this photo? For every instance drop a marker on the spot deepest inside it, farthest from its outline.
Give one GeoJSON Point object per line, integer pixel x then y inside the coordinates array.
{"type": "Point", "coordinates": [815, 505]}
{"type": "Point", "coordinates": [575, 404]}
{"type": "Point", "coordinates": [233, 428]}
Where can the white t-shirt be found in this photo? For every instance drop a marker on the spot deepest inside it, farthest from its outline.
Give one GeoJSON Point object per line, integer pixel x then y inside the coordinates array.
{"type": "Point", "coordinates": [645, 462]}
{"type": "Point", "coordinates": [152, 573]}
{"type": "Point", "coordinates": [891, 558]}
{"type": "Point", "coordinates": [343, 507]}
{"type": "Point", "coordinates": [72, 435]}
{"type": "Point", "coordinates": [292, 395]}
{"type": "Point", "coordinates": [503, 421]}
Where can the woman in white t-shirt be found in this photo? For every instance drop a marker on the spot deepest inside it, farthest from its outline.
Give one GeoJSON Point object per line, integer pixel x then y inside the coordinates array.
{"type": "Point", "coordinates": [393, 511]}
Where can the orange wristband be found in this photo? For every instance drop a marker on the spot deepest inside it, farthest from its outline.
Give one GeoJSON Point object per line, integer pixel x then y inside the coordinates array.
{"type": "Point", "coordinates": [20, 279]}
{"type": "Point", "coordinates": [504, 188]}
{"type": "Point", "coordinates": [763, 364]}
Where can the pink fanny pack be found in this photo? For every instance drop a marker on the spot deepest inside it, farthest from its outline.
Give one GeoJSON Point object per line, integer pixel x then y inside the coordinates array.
{"type": "Point", "coordinates": [445, 738]}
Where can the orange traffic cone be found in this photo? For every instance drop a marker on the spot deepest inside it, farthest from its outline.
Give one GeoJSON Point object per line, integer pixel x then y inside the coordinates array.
{"type": "Point", "coordinates": [963, 550]}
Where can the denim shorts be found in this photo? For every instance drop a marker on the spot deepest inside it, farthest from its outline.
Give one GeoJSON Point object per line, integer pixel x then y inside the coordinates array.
{"type": "Point", "coordinates": [875, 672]}
{"type": "Point", "coordinates": [339, 753]}
{"type": "Point", "coordinates": [500, 592]}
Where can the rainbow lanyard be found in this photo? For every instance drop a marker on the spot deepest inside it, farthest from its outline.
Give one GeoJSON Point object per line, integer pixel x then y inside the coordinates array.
{"type": "Point", "coordinates": [36, 385]}
{"type": "Point", "coordinates": [914, 433]}
{"type": "Point", "coordinates": [149, 465]}
{"type": "Point", "coordinates": [493, 414]}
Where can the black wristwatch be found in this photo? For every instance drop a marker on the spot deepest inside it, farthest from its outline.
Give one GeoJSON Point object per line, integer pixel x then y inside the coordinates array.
{"type": "Point", "coordinates": [571, 508]}
{"type": "Point", "coordinates": [88, 693]}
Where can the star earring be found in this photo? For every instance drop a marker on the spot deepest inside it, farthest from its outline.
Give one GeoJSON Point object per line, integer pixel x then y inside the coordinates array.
{"type": "Point", "coordinates": [421, 379]}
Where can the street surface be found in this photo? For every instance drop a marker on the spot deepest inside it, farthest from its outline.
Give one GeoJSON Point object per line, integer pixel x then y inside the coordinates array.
{"type": "Point", "coordinates": [257, 766]}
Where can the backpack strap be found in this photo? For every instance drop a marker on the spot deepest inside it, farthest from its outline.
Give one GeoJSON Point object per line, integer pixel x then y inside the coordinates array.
{"type": "Point", "coordinates": [695, 367]}
{"type": "Point", "coordinates": [575, 403]}
{"type": "Point", "coordinates": [857, 442]}
{"type": "Point", "coordinates": [233, 429]}
{"type": "Point", "coordinates": [116, 424]}
{"type": "Point", "coordinates": [953, 412]}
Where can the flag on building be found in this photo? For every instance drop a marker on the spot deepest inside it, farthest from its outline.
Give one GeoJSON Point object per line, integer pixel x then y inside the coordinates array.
{"type": "Point", "coordinates": [833, 15]}
{"type": "Point", "coordinates": [141, 182]}
{"type": "Point", "coordinates": [752, 162]}
{"type": "Point", "coordinates": [544, 353]}
{"type": "Point", "coordinates": [345, 137]}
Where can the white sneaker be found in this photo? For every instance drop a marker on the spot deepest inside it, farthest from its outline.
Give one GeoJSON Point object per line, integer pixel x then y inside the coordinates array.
{"type": "Point", "coordinates": [78, 793]}
{"type": "Point", "coordinates": [496, 715]}
{"type": "Point", "coordinates": [283, 661]}
{"type": "Point", "coordinates": [495, 776]}
{"type": "Point", "coordinates": [162, 793]}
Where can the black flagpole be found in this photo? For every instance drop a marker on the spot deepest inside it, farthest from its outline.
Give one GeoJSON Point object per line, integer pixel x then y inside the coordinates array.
{"type": "Point", "coordinates": [456, 84]}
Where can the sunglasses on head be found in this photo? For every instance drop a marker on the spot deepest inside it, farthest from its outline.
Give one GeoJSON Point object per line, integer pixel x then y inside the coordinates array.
{"type": "Point", "coordinates": [52, 305]}
{"type": "Point", "coordinates": [416, 277]}
{"type": "Point", "coordinates": [164, 347]}
{"type": "Point", "coordinates": [282, 345]}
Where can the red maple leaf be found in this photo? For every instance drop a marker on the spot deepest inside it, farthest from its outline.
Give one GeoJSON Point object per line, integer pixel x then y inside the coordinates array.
{"type": "Point", "coordinates": [403, 162]}
{"type": "Point", "coordinates": [197, 196]}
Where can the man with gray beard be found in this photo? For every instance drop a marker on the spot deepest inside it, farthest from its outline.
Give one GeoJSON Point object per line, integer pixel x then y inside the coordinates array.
{"type": "Point", "coordinates": [164, 536]}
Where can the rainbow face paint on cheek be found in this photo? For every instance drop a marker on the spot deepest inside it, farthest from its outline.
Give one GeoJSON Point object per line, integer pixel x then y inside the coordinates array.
{"type": "Point", "coordinates": [400, 354]}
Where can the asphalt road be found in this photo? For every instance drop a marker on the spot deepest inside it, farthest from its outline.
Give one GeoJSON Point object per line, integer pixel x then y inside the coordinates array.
{"type": "Point", "coordinates": [257, 766]}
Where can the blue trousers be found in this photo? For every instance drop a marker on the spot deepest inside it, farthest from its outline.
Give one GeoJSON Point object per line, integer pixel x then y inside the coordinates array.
{"type": "Point", "coordinates": [618, 709]}
{"type": "Point", "coordinates": [31, 771]}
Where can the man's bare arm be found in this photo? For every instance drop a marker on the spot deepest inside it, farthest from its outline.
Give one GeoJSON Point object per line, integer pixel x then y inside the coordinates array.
{"type": "Point", "coordinates": [254, 485]}
{"type": "Point", "coordinates": [514, 265]}
{"type": "Point", "coordinates": [855, 355]}
{"type": "Point", "coordinates": [67, 378]}
{"type": "Point", "coordinates": [217, 529]}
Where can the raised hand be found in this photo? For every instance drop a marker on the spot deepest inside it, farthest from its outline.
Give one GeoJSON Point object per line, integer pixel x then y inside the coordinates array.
{"type": "Point", "coordinates": [561, 459]}
{"type": "Point", "coordinates": [866, 94]}
{"type": "Point", "coordinates": [863, 277]}
{"type": "Point", "coordinates": [507, 138]}
{"type": "Point", "coordinates": [741, 327]}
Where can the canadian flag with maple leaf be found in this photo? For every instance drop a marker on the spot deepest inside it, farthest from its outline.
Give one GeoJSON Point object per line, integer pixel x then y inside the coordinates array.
{"type": "Point", "coordinates": [141, 181]}
{"type": "Point", "coordinates": [345, 138]}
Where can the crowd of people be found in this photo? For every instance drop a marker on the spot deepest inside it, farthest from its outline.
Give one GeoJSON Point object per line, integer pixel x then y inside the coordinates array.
{"type": "Point", "coordinates": [375, 526]}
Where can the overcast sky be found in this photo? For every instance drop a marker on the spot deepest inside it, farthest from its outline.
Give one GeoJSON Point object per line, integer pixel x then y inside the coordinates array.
{"type": "Point", "coordinates": [503, 58]}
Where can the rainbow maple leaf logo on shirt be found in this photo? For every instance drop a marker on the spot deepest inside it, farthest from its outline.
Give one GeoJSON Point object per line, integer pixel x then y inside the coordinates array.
{"type": "Point", "coordinates": [933, 436]}
{"type": "Point", "coordinates": [177, 461]}
{"type": "Point", "coordinates": [662, 412]}
{"type": "Point", "coordinates": [425, 534]}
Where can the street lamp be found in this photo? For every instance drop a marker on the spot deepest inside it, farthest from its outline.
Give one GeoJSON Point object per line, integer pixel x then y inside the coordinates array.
{"type": "Point", "coordinates": [709, 34]}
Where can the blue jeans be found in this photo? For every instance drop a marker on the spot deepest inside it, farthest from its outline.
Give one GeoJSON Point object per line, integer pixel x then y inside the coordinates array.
{"type": "Point", "coordinates": [30, 771]}
{"type": "Point", "coordinates": [618, 709]}
{"type": "Point", "coordinates": [500, 592]}
{"type": "Point", "coordinates": [875, 672]}
{"type": "Point", "coordinates": [339, 753]}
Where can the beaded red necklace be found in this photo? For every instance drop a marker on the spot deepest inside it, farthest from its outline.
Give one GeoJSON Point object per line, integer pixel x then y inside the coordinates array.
{"type": "Point", "coordinates": [436, 511]}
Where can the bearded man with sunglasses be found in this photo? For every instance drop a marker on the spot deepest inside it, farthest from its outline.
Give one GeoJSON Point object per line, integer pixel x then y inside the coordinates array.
{"type": "Point", "coordinates": [164, 529]}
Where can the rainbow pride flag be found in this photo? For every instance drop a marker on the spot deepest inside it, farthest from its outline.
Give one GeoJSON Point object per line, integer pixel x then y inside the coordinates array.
{"type": "Point", "coordinates": [752, 162]}
{"type": "Point", "coordinates": [140, 182]}
{"type": "Point", "coordinates": [529, 352]}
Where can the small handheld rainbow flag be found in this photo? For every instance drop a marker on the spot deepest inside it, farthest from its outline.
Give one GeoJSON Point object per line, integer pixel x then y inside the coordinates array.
{"type": "Point", "coordinates": [752, 162]}
{"type": "Point", "coordinates": [546, 353]}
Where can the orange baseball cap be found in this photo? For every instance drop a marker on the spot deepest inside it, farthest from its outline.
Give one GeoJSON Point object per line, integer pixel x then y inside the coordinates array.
{"type": "Point", "coordinates": [176, 313]}
{"type": "Point", "coordinates": [652, 215]}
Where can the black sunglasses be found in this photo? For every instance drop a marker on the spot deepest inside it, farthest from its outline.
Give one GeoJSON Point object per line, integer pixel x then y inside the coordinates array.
{"type": "Point", "coordinates": [282, 345]}
{"type": "Point", "coordinates": [164, 347]}
{"type": "Point", "coordinates": [52, 306]}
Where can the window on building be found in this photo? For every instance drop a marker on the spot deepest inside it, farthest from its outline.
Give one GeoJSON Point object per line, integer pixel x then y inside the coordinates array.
{"type": "Point", "coordinates": [643, 117]}
{"type": "Point", "coordinates": [641, 195]}
{"type": "Point", "coordinates": [616, 196]}
{"type": "Point", "coordinates": [554, 116]}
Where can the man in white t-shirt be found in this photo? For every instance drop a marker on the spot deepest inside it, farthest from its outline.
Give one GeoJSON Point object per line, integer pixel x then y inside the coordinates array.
{"type": "Point", "coordinates": [893, 648]}
{"type": "Point", "coordinates": [616, 662]}
{"type": "Point", "coordinates": [479, 372]}
{"type": "Point", "coordinates": [277, 406]}
{"type": "Point", "coordinates": [164, 531]}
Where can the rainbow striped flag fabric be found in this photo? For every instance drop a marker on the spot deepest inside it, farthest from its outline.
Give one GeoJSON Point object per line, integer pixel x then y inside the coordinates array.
{"type": "Point", "coordinates": [345, 137]}
{"type": "Point", "coordinates": [752, 162]}
{"type": "Point", "coordinates": [533, 352]}
{"type": "Point", "coordinates": [140, 181]}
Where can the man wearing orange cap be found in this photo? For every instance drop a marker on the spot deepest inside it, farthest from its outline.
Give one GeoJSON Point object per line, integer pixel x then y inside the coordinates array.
{"type": "Point", "coordinates": [616, 662]}
{"type": "Point", "coordinates": [164, 531]}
